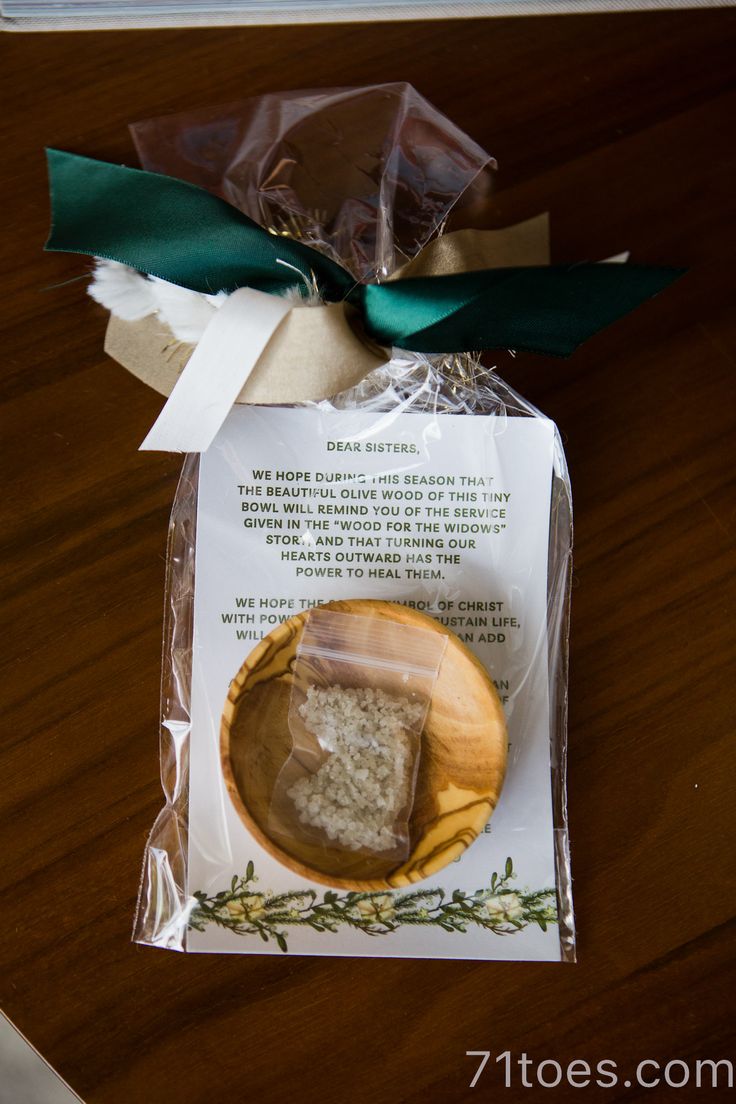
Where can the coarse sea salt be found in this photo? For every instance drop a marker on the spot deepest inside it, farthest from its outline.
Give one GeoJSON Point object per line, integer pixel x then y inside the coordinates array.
{"type": "Point", "coordinates": [357, 794]}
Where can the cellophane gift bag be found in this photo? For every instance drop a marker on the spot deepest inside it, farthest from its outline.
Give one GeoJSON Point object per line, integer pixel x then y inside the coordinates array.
{"type": "Point", "coordinates": [424, 481]}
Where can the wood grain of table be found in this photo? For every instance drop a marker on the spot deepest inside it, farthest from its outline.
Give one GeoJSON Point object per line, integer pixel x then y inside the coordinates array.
{"type": "Point", "coordinates": [622, 127]}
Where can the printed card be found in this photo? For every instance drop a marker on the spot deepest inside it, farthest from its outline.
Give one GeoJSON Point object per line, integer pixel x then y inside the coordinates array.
{"type": "Point", "coordinates": [448, 514]}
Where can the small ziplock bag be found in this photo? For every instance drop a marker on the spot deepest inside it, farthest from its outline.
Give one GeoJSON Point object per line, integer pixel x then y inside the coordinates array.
{"type": "Point", "coordinates": [361, 691]}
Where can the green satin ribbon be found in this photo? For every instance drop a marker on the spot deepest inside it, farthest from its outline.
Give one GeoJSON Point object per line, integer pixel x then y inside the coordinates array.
{"type": "Point", "coordinates": [186, 235]}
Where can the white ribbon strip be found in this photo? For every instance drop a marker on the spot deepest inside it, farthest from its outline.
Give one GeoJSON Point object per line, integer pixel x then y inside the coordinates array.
{"type": "Point", "coordinates": [214, 375]}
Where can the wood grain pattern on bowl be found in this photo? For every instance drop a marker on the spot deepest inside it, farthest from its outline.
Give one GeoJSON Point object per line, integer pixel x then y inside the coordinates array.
{"type": "Point", "coordinates": [461, 765]}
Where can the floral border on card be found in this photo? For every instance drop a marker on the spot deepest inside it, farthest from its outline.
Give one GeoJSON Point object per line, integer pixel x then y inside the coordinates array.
{"type": "Point", "coordinates": [247, 911]}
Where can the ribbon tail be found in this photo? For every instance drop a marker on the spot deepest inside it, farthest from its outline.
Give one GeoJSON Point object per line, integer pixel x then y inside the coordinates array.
{"type": "Point", "coordinates": [551, 309]}
{"type": "Point", "coordinates": [175, 230]}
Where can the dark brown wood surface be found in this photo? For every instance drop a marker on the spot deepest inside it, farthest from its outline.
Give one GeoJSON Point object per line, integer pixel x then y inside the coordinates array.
{"type": "Point", "coordinates": [622, 126]}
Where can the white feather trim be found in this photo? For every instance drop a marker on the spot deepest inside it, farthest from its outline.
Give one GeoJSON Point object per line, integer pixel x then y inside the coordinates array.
{"type": "Point", "coordinates": [216, 300]}
{"type": "Point", "coordinates": [297, 298]}
{"type": "Point", "coordinates": [131, 295]}
{"type": "Point", "coordinates": [122, 290]}
{"type": "Point", "coordinates": [185, 312]}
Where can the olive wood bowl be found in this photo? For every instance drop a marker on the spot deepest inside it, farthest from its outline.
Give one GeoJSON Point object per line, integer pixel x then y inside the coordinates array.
{"type": "Point", "coordinates": [462, 760]}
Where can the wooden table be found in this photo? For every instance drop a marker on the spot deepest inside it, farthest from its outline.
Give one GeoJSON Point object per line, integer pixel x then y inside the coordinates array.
{"type": "Point", "coordinates": [621, 126]}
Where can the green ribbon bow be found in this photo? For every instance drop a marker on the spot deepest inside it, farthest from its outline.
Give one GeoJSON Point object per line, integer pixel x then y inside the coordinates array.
{"type": "Point", "coordinates": [186, 235]}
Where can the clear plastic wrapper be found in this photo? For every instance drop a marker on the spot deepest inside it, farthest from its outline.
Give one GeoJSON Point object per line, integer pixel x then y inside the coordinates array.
{"type": "Point", "coordinates": [261, 156]}
{"type": "Point", "coordinates": [354, 172]}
